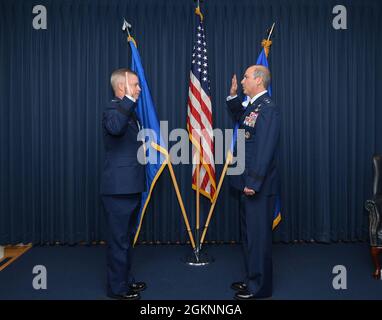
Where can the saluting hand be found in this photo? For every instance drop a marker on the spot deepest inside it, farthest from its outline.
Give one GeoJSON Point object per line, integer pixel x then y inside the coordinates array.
{"type": "Point", "coordinates": [129, 92]}
{"type": "Point", "coordinates": [233, 90]}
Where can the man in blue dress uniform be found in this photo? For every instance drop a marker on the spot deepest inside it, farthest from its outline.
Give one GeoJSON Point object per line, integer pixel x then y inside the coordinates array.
{"type": "Point", "coordinates": [123, 181]}
{"type": "Point", "coordinates": [258, 185]}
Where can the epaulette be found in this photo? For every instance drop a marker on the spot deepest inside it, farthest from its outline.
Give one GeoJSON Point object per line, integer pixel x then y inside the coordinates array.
{"type": "Point", "coordinates": [268, 102]}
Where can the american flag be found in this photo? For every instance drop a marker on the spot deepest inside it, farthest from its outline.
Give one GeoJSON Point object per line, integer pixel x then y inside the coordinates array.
{"type": "Point", "coordinates": [199, 117]}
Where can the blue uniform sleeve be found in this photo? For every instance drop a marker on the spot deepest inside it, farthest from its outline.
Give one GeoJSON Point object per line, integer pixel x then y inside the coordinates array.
{"type": "Point", "coordinates": [266, 140]}
{"type": "Point", "coordinates": [115, 119]}
{"type": "Point", "coordinates": [236, 108]}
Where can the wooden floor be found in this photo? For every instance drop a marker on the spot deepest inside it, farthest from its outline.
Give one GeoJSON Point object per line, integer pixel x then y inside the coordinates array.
{"type": "Point", "coordinates": [13, 252]}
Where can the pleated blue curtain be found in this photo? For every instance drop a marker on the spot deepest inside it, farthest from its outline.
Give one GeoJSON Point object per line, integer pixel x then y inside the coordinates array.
{"type": "Point", "coordinates": [54, 85]}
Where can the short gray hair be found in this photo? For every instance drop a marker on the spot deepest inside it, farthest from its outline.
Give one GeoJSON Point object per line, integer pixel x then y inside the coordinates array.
{"type": "Point", "coordinates": [263, 73]}
{"type": "Point", "coordinates": [118, 76]}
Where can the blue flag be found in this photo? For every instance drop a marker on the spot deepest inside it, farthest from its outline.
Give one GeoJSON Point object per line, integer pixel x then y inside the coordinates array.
{"type": "Point", "coordinates": [157, 149]}
{"type": "Point", "coordinates": [262, 59]}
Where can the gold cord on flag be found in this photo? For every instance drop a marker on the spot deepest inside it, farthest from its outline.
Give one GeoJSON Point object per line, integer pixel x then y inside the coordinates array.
{"type": "Point", "coordinates": [266, 44]}
{"type": "Point", "coordinates": [199, 13]}
{"type": "Point", "coordinates": [130, 38]}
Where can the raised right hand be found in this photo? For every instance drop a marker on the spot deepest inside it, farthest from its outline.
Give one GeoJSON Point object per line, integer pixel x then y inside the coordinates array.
{"type": "Point", "coordinates": [233, 90]}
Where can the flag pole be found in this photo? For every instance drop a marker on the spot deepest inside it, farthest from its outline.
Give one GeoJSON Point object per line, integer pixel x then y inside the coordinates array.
{"type": "Point", "coordinates": [197, 204]}
{"type": "Point", "coordinates": [270, 32]}
{"type": "Point", "coordinates": [125, 27]}
{"type": "Point", "coordinates": [266, 44]}
{"type": "Point", "coordinates": [199, 258]}
{"type": "Point", "coordinates": [175, 183]}
{"type": "Point", "coordinates": [197, 228]}
{"type": "Point", "coordinates": [212, 208]}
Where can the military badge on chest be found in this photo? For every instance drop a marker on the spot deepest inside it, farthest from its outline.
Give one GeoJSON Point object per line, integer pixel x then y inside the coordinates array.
{"type": "Point", "coordinates": [250, 120]}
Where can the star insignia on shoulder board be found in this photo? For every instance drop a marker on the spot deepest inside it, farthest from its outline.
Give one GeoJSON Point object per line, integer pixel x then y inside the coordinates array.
{"type": "Point", "coordinates": [267, 100]}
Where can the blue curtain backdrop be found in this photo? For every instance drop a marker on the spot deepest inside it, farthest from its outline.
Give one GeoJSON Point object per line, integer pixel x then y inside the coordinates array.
{"type": "Point", "coordinates": [54, 85]}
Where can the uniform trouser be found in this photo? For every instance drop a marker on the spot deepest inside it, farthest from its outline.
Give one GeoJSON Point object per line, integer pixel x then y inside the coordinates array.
{"type": "Point", "coordinates": [256, 214]}
{"type": "Point", "coordinates": [122, 214]}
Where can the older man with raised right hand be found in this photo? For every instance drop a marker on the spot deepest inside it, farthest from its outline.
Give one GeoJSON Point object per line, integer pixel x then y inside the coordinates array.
{"type": "Point", "coordinates": [259, 183]}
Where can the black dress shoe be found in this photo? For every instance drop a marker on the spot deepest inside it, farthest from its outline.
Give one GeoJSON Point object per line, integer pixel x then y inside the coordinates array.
{"type": "Point", "coordinates": [138, 286]}
{"type": "Point", "coordinates": [130, 295]}
{"type": "Point", "coordinates": [239, 286]}
{"type": "Point", "coordinates": [244, 295]}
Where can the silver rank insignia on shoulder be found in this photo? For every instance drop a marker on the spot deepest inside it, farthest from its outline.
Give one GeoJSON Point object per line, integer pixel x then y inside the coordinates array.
{"type": "Point", "coordinates": [247, 134]}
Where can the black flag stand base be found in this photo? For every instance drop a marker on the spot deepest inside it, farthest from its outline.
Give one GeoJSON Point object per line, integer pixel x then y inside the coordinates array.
{"type": "Point", "coordinates": [198, 258]}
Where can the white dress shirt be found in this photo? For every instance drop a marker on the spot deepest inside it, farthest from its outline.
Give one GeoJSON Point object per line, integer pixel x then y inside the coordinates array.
{"type": "Point", "coordinates": [246, 102]}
